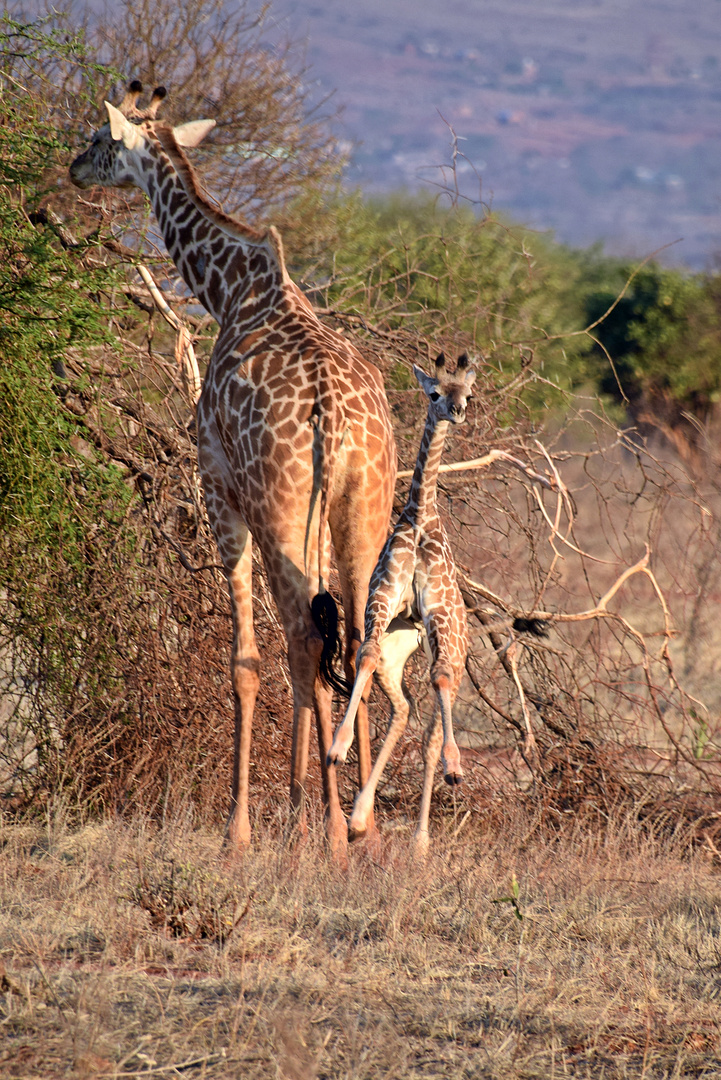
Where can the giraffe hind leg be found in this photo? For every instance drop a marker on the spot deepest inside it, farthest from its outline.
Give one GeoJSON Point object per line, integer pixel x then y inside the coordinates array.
{"type": "Point", "coordinates": [443, 684]}
{"type": "Point", "coordinates": [336, 828]}
{"type": "Point", "coordinates": [431, 754]}
{"type": "Point", "coordinates": [309, 694]}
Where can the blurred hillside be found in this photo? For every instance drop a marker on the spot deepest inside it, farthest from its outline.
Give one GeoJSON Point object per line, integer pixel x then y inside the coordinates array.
{"type": "Point", "coordinates": [597, 120]}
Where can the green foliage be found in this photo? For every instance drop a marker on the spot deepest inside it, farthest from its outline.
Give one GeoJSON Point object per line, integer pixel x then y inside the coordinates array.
{"type": "Point", "coordinates": [411, 262]}
{"type": "Point", "coordinates": [61, 505]}
{"type": "Point", "coordinates": [512, 899]}
{"type": "Point", "coordinates": [663, 335]}
{"type": "Point", "coordinates": [408, 255]}
{"type": "Point", "coordinates": [49, 304]}
{"type": "Point", "coordinates": [523, 301]}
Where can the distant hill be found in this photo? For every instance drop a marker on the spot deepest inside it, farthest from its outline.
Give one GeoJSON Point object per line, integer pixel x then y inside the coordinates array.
{"type": "Point", "coordinates": [598, 120]}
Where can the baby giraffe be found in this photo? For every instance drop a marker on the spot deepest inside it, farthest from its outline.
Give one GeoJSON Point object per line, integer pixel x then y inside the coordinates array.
{"type": "Point", "coordinates": [414, 597]}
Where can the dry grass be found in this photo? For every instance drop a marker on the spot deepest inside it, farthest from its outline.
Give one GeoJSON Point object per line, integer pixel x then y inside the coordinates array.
{"type": "Point", "coordinates": [132, 950]}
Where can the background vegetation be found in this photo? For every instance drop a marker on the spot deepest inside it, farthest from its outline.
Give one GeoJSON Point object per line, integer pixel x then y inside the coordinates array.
{"type": "Point", "coordinates": [593, 502]}
{"type": "Point", "coordinates": [599, 380]}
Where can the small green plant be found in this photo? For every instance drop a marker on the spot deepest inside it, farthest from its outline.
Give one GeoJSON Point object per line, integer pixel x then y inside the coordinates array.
{"type": "Point", "coordinates": [512, 899]}
{"type": "Point", "coordinates": [701, 738]}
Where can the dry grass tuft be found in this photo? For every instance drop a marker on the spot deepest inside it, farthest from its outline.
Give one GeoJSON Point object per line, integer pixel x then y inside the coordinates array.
{"type": "Point", "coordinates": [130, 950]}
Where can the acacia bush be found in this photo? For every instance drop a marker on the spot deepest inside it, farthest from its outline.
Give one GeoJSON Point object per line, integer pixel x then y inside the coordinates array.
{"type": "Point", "coordinates": [272, 153]}
{"type": "Point", "coordinates": [429, 263]}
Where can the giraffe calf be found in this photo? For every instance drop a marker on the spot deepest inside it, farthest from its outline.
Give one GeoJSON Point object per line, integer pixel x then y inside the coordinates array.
{"type": "Point", "coordinates": [414, 599]}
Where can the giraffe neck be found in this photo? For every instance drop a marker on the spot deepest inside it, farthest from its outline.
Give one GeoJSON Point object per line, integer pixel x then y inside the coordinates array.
{"type": "Point", "coordinates": [421, 505]}
{"type": "Point", "coordinates": [219, 259]}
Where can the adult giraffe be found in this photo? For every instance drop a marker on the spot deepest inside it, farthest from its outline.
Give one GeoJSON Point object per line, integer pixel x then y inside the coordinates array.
{"type": "Point", "coordinates": [295, 443]}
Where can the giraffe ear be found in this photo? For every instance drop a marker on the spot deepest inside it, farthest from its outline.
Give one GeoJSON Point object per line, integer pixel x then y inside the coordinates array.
{"type": "Point", "coordinates": [427, 384]}
{"type": "Point", "coordinates": [121, 128]}
{"type": "Point", "coordinates": [193, 132]}
{"type": "Point", "coordinates": [470, 377]}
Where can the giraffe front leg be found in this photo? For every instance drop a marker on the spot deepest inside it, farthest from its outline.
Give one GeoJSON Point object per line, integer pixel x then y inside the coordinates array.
{"type": "Point", "coordinates": [368, 659]}
{"type": "Point", "coordinates": [245, 675]}
{"type": "Point", "coordinates": [396, 647]}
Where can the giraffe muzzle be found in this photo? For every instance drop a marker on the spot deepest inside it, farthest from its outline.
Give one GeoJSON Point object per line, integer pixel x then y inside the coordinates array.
{"type": "Point", "coordinates": [80, 172]}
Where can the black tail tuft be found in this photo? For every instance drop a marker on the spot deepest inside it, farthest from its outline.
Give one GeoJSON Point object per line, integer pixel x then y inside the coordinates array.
{"type": "Point", "coordinates": [324, 611]}
{"type": "Point", "coordinates": [537, 627]}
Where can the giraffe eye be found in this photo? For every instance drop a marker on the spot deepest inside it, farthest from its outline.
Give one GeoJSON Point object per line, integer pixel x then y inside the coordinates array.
{"type": "Point", "coordinates": [435, 396]}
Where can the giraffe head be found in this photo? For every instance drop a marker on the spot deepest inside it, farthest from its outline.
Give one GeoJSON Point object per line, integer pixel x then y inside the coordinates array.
{"type": "Point", "coordinates": [447, 393]}
{"type": "Point", "coordinates": [115, 155]}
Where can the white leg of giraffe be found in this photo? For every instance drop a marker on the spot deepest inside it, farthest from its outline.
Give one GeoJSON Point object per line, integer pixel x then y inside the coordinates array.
{"type": "Point", "coordinates": [357, 540]}
{"type": "Point", "coordinates": [397, 646]}
{"type": "Point", "coordinates": [382, 605]}
{"type": "Point", "coordinates": [367, 660]}
{"type": "Point", "coordinates": [350, 665]}
{"type": "Point", "coordinates": [336, 828]}
{"type": "Point", "coordinates": [431, 754]}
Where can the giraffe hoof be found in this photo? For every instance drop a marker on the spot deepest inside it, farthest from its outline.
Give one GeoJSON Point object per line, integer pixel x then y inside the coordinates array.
{"type": "Point", "coordinates": [356, 832]}
{"type": "Point", "coordinates": [453, 779]}
{"type": "Point", "coordinates": [337, 754]}
{"type": "Point", "coordinates": [421, 844]}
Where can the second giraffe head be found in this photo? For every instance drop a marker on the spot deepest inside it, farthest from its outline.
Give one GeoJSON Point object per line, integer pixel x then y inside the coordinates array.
{"type": "Point", "coordinates": [447, 393]}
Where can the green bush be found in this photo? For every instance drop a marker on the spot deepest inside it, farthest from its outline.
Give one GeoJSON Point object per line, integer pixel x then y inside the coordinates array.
{"type": "Point", "coordinates": [61, 504]}
{"type": "Point", "coordinates": [442, 272]}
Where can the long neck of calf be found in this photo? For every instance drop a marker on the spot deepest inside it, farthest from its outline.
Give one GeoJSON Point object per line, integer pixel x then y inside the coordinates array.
{"type": "Point", "coordinates": [421, 505]}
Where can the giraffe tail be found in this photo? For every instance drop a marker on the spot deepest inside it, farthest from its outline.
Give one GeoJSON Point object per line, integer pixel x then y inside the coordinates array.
{"type": "Point", "coordinates": [323, 608]}
{"type": "Point", "coordinates": [324, 611]}
{"type": "Point", "coordinates": [537, 627]}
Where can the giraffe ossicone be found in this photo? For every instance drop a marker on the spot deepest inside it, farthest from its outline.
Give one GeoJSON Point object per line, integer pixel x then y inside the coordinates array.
{"type": "Point", "coordinates": [295, 443]}
{"type": "Point", "coordinates": [415, 599]}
